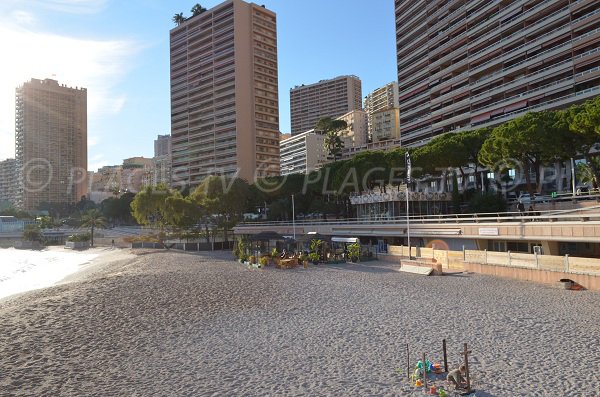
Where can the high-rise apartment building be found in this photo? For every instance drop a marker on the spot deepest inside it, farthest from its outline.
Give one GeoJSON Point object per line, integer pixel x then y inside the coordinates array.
{"type": "Point", "coordinates": [51, 143]}
{"type": "Point", "coordinates": [466, 64]}
{"type": "Point", "coordinates": [327, 98]}
{"type": "Point", "coordinates": [162, 146]}
{"type": "Point", "coordinates": [386, 125]}
{"type": "Point", "coordinates": [224, 94]}
{"type": "Point", "coordinates": [8, 181]}
{"type": "Point", "coordinates": [356, 130]}
{"type": "Point", "coordinates": [382, 99]}
{"type": "Point", "coordinates": [306, 152]}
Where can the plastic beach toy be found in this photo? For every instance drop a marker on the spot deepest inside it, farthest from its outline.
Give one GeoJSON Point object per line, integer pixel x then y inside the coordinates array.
{"type": "Point", "coordinates": [433, 390]}
{"type": "Point", "coordinates": [418, 383]}
{"type": "Point", "coordinates": [442, 392]}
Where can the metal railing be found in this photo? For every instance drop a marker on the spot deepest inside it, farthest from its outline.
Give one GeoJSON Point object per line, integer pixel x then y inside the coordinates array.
{"type": "Point", "coordinates": [500, 217]}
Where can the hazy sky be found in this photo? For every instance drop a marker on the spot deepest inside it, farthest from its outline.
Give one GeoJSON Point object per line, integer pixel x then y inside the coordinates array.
{"type": "Point", "coordinates": [119, 51]}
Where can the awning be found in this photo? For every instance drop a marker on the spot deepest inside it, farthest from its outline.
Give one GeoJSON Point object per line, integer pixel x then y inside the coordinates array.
{"type": "Point", "coordinates": [515, 106]}
{"type": "Point", "coordinates": [481, 117]}
{"type": "Point", "coordinates": [344, 239]}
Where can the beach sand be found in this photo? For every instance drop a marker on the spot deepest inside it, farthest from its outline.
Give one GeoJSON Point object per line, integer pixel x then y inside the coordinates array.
{"type": "Point", "coordinates": [178, 324]}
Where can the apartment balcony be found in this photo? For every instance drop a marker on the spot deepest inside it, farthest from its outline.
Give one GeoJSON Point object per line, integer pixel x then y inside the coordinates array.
{"type": "Point", "coordinates": [545, 90]}
{"type": "Point", "coordinates": [586, 39]}
{"type": "Point", "coordinates": [414, 48]}
{"type": "Point", "coordinates": [585, 20]}
{"type": "Point", "coordinates": [416, 134]}
{"type": "Point", "coordinates": [416, 123]}
{"type": "Point", "coordinates": [524, 80]}
{"type": "Point", "coordinates": [411, 112]}
{"type": "Point", "coordinates": [557, 103]}
{"type": "Point", "coordinates": [586, 75]}
{"type": "Point", "coordinates": [452, 54]}
{"type": "Point", "coordinates": [413, 69]}
{"type": "Point", "coordinates": [454, 92]}
{"type": "Point", "coordinates": [416, 79]}
{"type": "Point", "coordinates": [452, 120]}
{"type": "Point", "coordinates": [513, 9]}
{"type": "Point", "coordinates": [447, 19]}
{"type": "Point", "coordinates": [408, 22]}
{"type": "Point", "coordinates": [452, 107]}
{"type": "Point", "coordinates": [548, 54]}
{"type": "Point", "coordinates": [526, 47]}
{"type": "Point", "coordinates": [449, 69]}
{"type": "Point", "coordinates": [479, 13]}
{"type": "Point", "coordinates": [587, 57]}
{"type": "Point", "coordinates": [578, 5]}
{"type": "Point", "coordinates": [414, 99]}
{"type": "Point", "coordinates": [519, 35]}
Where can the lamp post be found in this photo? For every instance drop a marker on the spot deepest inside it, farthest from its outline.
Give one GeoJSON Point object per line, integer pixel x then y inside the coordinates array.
{"type": "Point", "coordinates": [408, 172]}
{"type": "Point", "coordinates": [293, 217]}
{"type": "Point", "coordinates": [573, 181]}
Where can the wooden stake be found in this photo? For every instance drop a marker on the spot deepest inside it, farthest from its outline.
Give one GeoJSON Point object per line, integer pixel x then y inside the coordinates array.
{"type": "Point", "coordinates": [424, 372]}
{"type": "Point", "coordinates": [466, 354]}
{"type": "Point", "coordinates": [445, 355]}
{"type": "Point", "coordinates": [407, 363]}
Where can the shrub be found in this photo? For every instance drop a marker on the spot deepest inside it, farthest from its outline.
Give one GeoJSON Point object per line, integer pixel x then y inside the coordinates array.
{"type": "Point", "coordinates": [32, 233]}
{"type": "Point", "coordinates": [263, 261]}
{"type": "Point", "coordinates": [79, 238]}
{"type": "Point", "coordinates": [487, 202]}
{"type": "Point", "coordinates": [314, 257]}
{"type": "Point", "coordinates": [354, 251]}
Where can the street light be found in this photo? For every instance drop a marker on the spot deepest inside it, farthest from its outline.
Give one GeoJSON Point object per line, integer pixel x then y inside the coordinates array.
{"type": "Point", "coordinates": [408, 172]}
{"type": "Point", "coordinates": [293, 217]}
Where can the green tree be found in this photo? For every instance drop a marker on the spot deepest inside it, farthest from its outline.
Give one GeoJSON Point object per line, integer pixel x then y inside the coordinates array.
{"type": "Point", "coordinates": [529, 141]}
{"type": "Point", "coordinates": [93, 219]}
{"type": "Point", "coordinates": [32, 233]}
{"type": "Point", "coordinates": [225, 200]}
{"type": "Point", "coordinates": [19, 214]}
{"type": "Point", "coordinates": [584, 122]}
{"type": "Point", "coordinates": [395, 160]}
{"type": "Point", "coordinates": [586, 175]}
{"type": "Point", "coordinates": [197, 9]}
{"type": "Point", "coordinates": [333, 142]}
{"type": "Point", "coordinates": [487, 202]}
{"type": "Point", "coordinates": [178, 19]}
{"type": "Point", "coordinates": [149, 206]}
{"type": "Point", "coordinates": [48, 222]}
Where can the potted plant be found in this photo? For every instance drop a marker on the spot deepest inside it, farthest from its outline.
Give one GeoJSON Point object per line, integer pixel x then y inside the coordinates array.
{"type": "Point", "coordinates": [354, 252]}
{"type": "Point", "coordinates": [275, 256]}
{"type": "Point", "coordinates": [304, 260]}
{"type": "Point", "coordinates": [315, 246]}
{"type": "Point", "coordinates": [314, 257]}
{"type": "Point", "coordinates": [263, 261]}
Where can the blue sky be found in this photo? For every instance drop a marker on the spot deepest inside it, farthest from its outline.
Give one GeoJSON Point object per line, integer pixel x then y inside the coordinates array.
{"type": "Point", "coordinates": [119, 51]}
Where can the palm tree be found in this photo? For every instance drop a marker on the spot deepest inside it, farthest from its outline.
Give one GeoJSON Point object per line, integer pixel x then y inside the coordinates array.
{"type": "Point", "coordinates": [93, 219]}
{"type": "Point", "coordinates": [197, 10]}
{"type": "Point", "coordinates": [333, 144]}
{"type": "Point", "coordinates": [585, 175]}
{"type": "Point", "coordinates": [178, 18]}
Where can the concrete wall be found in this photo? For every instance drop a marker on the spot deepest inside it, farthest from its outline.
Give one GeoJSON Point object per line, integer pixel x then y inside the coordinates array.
{"type": "Point", "coordinates": [539, 268]}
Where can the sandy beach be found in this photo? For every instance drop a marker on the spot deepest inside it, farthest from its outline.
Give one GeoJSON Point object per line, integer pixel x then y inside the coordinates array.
{"type": "Point", "coordinates": [178, 324]}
